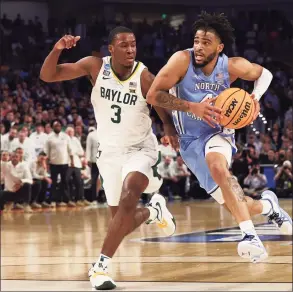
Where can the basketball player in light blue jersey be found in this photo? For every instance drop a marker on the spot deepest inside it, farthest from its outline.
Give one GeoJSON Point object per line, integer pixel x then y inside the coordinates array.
{"type": "Point", "coordinates": [194, 78]}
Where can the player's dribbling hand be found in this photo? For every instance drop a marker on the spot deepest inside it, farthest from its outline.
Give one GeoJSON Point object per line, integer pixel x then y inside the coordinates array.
{"type": "Point", "coordinates": [207, 111]}
{"type": "Point", "coordinates": [67, 42]}
{"type": "Point", "coordinates": [256, 106]}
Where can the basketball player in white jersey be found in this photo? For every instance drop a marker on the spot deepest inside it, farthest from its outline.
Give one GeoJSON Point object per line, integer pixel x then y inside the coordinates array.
{"type": "Point", "coordinates": [128, 148]}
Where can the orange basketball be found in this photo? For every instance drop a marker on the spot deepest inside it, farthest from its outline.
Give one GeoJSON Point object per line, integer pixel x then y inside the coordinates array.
{"type": "Point", "coordinates": [237, 108]}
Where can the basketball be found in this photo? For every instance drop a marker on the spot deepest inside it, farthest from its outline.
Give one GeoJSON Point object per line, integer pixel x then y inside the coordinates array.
{"type": "Point", "coordinates": [238, 108]}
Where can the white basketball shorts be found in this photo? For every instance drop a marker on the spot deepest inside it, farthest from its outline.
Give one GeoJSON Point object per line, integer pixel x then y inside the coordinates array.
{"type": "Point", "coordinates": [115, 164]}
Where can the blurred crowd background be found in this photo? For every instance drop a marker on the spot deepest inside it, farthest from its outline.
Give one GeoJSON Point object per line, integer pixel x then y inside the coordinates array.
{"type": "Point", "coordinates": [29, 106]}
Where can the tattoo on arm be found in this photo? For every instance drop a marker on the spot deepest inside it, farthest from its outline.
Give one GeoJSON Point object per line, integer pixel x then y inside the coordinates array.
{"type": "Point", "coordinates": [236, 189]}
{"type": "Point", "coordinates": [169, 101]}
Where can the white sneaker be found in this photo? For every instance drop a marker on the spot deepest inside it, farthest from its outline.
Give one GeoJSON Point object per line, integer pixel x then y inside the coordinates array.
{"type": "Point", "coordinates": [101, 280]}
{"type": "Point", "coordinates": [251, 247]}
{"type": "Point", "coordinates": [277, 215]}
{"type": "Point", "coordinates": [71, 204]}
{"type": "Point", "coordinates": [46, 205]}
{"type": "Point", "coordinates": [27, 209]}
{"type": "Point", "coordinates": [165, 219]}
{"type": "Point", "coordinates": [8, 207]}
{"type": "Point", "coordinates": [35, 205]}
{"type": "Point", "coordinates": [18, 206]}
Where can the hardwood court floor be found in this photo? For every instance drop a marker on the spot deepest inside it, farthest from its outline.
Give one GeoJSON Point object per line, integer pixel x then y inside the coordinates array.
{"type": "Point", "coordinates": [52, 250]}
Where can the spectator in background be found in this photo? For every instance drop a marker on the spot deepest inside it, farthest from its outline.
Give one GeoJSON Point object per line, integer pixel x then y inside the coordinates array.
{"type": "Point", "coordinates": [180, 174]}
{"type": "Point", "coordinates": [48, 129]}
{"type": "Point", "coordinates": [264, 152]}
{"type": "Point", "coordinates": [284, 180]}
{"type": "Point", "coordinates": [268, 158]}
{"type": "Point", "coordinates": [164, 170]}
{"type": "Point", "coordinates": [26, 144]}
{"type": "Point", "coordinates": [286, 143]}
{"type": "Point", "coordinates": [281, 157]}
{"type": "Point", "coordinates": [74, 171]}
{"type": "Point", "coordinates": [255, 182]}
{"type": "Point", "coordinates": [38, 139]}
{"type": "Point", "coordinates": [250, 154]}
{"type": "Point", "coordinates": [80, 135]}
{"type": "Point", "coordinates": [86, 179]}
{"type": "Point", "coordinates": [59, 152]}
{"type": "Point", "coordinates": [10, 142]}
{"type": "Point", "coordinates": [17, 182]}
{"type": "Point", "coordinates": [20, 152]}
{"type": "Point", "coordinates": [10, 120]}
{"type": "Point", "coordinates": [252, 140]}
{"type": "Point", "coordinates": [2, 131]}
{"type": "Point", "coordinates": [167, 151]}
{"type": "Point", "coordinates": [289, 155]}
{"type": "Point", "coordinates": [240, 165]}
{"type": "Point", "coordinates": [41, 181]}
{"type": "Point", "coordinates": [92, 146]}
{"type": "Point", "coordinates": [5, 157]}
{"type": "Point", "coordinates": [276, 137]}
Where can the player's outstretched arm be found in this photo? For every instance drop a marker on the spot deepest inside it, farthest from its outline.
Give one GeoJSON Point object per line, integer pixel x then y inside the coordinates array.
{"type": "Point", "coordinates": [52, 72]}
{"type": "Point", "coordinates": [243, 69]}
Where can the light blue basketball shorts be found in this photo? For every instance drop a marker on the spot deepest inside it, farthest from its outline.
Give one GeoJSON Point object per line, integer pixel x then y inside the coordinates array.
{"type": "Point", "coordinates": [193, 153]}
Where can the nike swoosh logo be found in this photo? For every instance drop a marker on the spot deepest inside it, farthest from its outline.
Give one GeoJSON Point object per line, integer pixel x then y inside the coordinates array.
{"type": "Point", "coordinates": [158, 204]}
{"type": "Point", "coordinates": [106, 77]}
{"type": "Point", "coordinates": [214, 147]}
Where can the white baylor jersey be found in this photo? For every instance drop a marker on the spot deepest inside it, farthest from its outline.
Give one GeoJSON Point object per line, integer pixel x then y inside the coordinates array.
{"type": "Point", "coordinates": [121, 111]}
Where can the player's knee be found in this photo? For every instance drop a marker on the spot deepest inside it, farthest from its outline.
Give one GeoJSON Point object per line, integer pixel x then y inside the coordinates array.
{"type": "Point", "coordinates": [128, 200]}
{"type": "Point", "coordinates": [218, 172]}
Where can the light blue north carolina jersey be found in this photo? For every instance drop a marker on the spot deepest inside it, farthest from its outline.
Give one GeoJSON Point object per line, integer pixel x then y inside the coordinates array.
{"type": "Point", "coordinates": [192, 130]}
{"type": "Point", "coordinates": [197, 87]}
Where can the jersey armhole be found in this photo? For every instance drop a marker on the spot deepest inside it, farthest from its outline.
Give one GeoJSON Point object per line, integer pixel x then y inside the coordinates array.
{"type": "Point", "coordinates": [226, 69]}
{"type": "Point", "coordinates": [188, 68]}
{"type": "Point", "coordinates": [103, 65]}
{"type": "Point", "coordinates": [142, 68]}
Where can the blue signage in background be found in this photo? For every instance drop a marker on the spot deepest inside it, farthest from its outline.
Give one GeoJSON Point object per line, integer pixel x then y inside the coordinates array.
{"type": "Point", "coordinates": [269, 172]}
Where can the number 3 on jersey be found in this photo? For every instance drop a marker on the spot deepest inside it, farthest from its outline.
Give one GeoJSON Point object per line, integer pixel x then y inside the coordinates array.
{"type": "Point", "coordinates": [117, 114]}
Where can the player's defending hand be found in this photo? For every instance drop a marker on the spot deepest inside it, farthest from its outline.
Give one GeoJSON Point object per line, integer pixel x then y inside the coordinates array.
{"type": "Point", "coordinates": [207, 111]}
{"type": "Point", "coordinates": [171, 137]}
{"type": "Point", "coordinates": [67, 42]}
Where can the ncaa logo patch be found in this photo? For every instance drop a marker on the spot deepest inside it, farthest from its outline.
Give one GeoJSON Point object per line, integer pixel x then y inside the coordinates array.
{"type": "Point", "coordinates": [107, 66]}
{"type": "Point", "coordinates": [220, 78]}
{"type": "Point", "coordinates": [266, 232]}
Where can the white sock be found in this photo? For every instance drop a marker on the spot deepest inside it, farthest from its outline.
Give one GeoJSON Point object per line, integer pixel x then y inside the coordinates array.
{"type": "Point", "coordinates": [266, 206]}
{"type": "Point", "coordinates": [247, 227]}
{"type": "Point", "coordinates": [153, 213]}
{"type": "Point", "coordinates": [102, 263]}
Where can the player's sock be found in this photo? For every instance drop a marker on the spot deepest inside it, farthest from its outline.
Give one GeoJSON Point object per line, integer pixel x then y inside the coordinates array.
{"type": "Point", "coordinates": [102, 264]}
{"type": "Point", "coordinates": [266, 207]}
{"type": "Point", "coordinates": [153, 213]}
{"type": "Point", "coordinates": [247, 227]}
